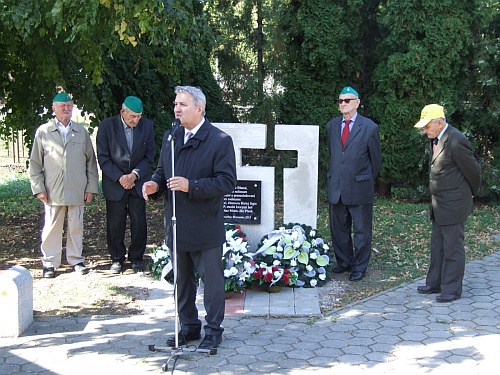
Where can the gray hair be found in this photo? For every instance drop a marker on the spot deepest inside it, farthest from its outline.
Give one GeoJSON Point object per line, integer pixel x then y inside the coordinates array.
{"type": "Point", "coordinates": [199, 98]}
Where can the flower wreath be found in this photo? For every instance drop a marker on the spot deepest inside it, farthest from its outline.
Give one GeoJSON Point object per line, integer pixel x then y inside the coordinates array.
{"type": "Point", "coordinates": [298, 250]}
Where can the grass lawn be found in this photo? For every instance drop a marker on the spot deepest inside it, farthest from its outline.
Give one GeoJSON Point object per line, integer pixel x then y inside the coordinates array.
{"type": "Point", "coordinates": [401, 233]}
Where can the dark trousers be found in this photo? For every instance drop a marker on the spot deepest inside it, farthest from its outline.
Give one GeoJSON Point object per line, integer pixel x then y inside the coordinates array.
{"type": "Point", "coordinates": [134, 206]}
{"type": "Point", "coordinates": [352, 250]}
{"type": "Point", "coordinates": [208, 263]}
{"type": "Point", "coordinates": [447, 267]}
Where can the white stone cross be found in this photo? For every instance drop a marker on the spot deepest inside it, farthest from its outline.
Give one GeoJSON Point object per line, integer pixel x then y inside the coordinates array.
{"type": "Point", "coordinates": [300, 190]}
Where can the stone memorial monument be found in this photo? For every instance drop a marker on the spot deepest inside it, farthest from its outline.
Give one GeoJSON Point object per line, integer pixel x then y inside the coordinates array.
{"type": "Point", "coordinates": [300, 188]}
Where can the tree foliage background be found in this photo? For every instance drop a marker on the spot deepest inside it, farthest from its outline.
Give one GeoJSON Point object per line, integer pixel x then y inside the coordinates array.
{"type": "Point", "coordinates": [101, 51]}
{"type": "Point", "coordinates": [266, 61]}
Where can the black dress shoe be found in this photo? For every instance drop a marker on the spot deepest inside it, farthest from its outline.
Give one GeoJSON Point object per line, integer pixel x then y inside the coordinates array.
{"type": "Point", "coordinates": [48, 272]}
{"type": "Point", "coordinates": [116, 268]}
{"type": "Point", "coordinates": [210, 342]}
{"type": "Point", "coordinates": [340, 269]}
{"type": "Point", "coordinates": [138, 266]}
{"type": "Point", "coordinates": [183, 338]}
{"type": "Point", "coordinates": [427, 289]}
{"type": "Point", "coordinates": [356, 275]}
{"type": "Point", "coordinates": [446, 297]}
{"type": "Point", "coordinates": [80, 268]}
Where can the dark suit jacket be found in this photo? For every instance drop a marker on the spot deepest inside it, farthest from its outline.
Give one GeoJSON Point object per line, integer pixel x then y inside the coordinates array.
{"type": "Point", "coordinates": [454, 177]}
{"type": "Point", "coordinates": [353, 169]}
{"type": "Point", "coordinates": [115, 159]}
{"type": "Point", "coordinates": [208, 161]}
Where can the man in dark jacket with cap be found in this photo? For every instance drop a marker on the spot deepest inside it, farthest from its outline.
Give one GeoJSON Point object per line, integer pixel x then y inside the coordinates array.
{"type": "Point", "coordinates": [355, 160]}
{"type": "Point", "coordinates": [454, 178]}
{"type": "Point", "coordinates": [125, 151]}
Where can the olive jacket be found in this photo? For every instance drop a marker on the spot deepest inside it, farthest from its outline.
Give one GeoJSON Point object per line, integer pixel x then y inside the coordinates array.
{"type": "Point", "coordinates": [454, 178]}
{"type": "Point", "coordinates": [66, 170]}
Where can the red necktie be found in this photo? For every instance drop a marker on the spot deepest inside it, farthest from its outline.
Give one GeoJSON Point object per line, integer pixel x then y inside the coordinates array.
{"type": "Point", "coordinates": [345, 132]}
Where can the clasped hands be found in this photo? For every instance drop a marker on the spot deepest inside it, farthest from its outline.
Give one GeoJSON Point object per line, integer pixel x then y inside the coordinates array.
{"type": "Point", "coordinates": [127, 181]}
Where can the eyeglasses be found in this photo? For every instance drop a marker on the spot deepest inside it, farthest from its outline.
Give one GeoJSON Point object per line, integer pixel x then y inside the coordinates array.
{"type": "Point", "coordinates": [347, 101]}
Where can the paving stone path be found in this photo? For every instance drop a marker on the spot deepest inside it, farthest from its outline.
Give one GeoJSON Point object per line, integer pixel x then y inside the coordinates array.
{"type": "Point", "coordinates": [394, 332]}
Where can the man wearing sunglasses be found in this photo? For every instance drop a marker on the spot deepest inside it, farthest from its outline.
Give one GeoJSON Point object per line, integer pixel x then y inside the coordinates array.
{"type": "Point", "coordinates": [355, 159]}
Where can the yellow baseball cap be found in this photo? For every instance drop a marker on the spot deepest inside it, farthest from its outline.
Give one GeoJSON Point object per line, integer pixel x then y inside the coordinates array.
{"type": "Point", "coordinates": [429, 113]}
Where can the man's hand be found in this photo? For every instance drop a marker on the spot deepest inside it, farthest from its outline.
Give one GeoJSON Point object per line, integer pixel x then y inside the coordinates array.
{"type": "Point", "coordinates": [128, 180]}
{"type": "Point", "coordinates": [148, 188]}
{"type": "Point", "coordinates": [178, 183]}
{"type": "Point", "coordinates": [44, 197]}
{"type": "Point", "coordinates": [88, 197]}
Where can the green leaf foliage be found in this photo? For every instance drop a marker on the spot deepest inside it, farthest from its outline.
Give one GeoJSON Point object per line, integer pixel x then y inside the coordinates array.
{"type": "Point", "coordinates": [101, 51]}
{"type": "Point", "coordinates": [271, 250]}
{"type": "Point", "coordinates": [321, 261]}
{"type": "Point", "coordinates": [266, 61]}
{"type": "Point", "coordinates": [289, 252]}
{"type": "Point", "coordinates": [303, 257]}
{"type": "Point", "coordinates": [421, 62]}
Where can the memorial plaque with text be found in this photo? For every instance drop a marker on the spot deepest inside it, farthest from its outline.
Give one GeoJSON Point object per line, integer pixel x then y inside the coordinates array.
{"type": "Point", "coordinates": [242, 206]}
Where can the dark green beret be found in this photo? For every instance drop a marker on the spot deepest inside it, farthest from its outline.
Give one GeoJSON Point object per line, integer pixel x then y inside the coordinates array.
{"type": "Point", "coordinates": [62, 97]}
{"type": "Point", "coordinates": [133, 103]}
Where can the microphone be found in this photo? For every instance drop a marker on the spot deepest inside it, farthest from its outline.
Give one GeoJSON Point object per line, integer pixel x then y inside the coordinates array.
{"type": "Point", "coordinates": [175, 125]}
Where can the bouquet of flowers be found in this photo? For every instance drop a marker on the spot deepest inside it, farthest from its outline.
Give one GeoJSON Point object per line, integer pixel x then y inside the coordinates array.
{"type": "Point", "coordinates": [236, 260]}
{"type": "Point", "coordinates": [161, 266]}
{"type": "Point", "coordinates": [273, 275]}
{"type": "Point", "coordinates": [237, 270]}
{"type": "Point", "coordinates": [297, 250]}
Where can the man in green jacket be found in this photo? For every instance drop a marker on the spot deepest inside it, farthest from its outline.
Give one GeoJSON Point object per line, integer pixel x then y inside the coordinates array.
{"type": "Point", "coordinates": [63, 175]}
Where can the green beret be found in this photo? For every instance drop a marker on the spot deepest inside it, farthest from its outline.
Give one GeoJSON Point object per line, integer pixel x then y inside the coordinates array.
{"type": "Point", "coordinates": [349, 90]}
{"type": "Point", "coordinates": [133, 103]}
{"type": "Point", "coordinates": [62, 97]}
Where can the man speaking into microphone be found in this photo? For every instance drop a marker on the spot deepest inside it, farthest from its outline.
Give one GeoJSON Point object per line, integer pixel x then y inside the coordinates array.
{"type": "Point", "coordinates": [205, 171]}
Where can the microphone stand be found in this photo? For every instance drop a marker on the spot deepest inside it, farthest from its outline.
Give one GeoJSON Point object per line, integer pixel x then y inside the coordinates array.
{"type": "Point", "coordinates": [176, 351]}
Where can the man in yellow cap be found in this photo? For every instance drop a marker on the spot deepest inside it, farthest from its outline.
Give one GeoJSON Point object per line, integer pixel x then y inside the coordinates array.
{"type": "Point", "coordinates": [454, 178]}
{"type": "Point", "coordinates": [125, 151]}
{"type": "Point", "coordinates": [63, 175]}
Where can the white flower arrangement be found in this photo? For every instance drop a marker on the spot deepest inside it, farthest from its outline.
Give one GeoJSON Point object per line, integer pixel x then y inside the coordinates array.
{"type": "Point", "coordinates": [293, 255]}
{"type": "Point", "coordinates": [235, 259]}
{"type": "Point", "coordinates": [299, 249]}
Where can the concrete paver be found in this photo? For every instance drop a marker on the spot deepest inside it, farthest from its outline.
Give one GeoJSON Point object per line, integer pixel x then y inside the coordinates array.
{"type": "Point", "coordinates": [396, 331]}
